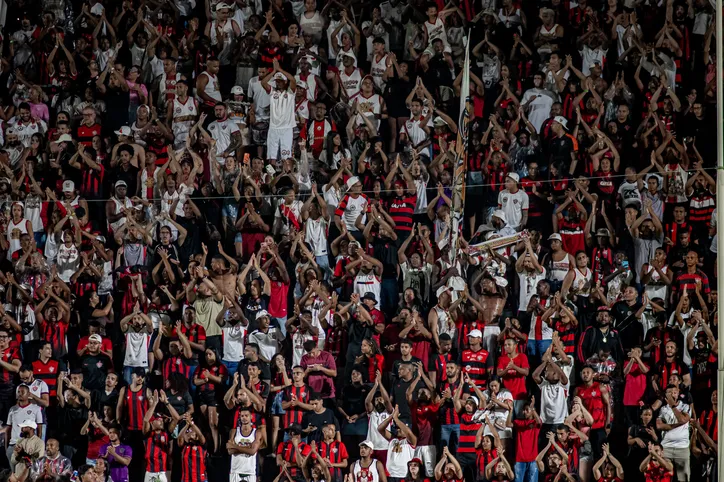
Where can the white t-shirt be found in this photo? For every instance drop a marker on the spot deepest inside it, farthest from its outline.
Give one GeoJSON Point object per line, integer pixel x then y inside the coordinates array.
{"type": "Point", "coordinates": [528, 282]}
{"type": "Point", "coordinates": [676, 438]}
{"type": "Point", "coordinates": [221, 132]}
{"type": "Point", "coordinates": [553, 398]}
{"type": "Point", "coordinates": [233, 336]}
{"type": "Point", "coordinates": [18, 415]}
{"type": "Point", "coordinates": [282, 104]}
{"type": "Point", "coordinates": [513, 206]}
{"type": "Point", "coordinates": [260, 97]}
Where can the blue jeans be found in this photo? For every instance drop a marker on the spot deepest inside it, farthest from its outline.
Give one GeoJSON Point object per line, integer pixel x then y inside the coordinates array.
{"type": "Point", "coordinates": [449, 437]}
{"type": "Point", "coordinates": [231, 366]}
{"type": "Point", "coordinates": [323, 263]}
{"type": "Point", "coordinates": [526, 472]}
{"type": "Point", "coordinates": [536, 348]}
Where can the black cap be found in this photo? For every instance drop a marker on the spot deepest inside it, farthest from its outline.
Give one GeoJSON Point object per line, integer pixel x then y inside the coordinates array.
{"type": "Point", "coordinates": [294, 428]}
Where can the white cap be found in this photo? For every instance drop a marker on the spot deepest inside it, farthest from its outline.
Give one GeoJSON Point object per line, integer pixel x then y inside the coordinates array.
{"type": "Point", "coordinates": [62, 138]}
{"type": "Point", "coordinates": [279, 76]}
{"type": "Point", "coordinates": [302, 84]}
{"type": "Point", "coordinates": [439, 121]}
{"type": "Point", "coordinates": [95, 337]}
{"type": "Point", "coordinates": [514, 176]}
{"type": "Point", "coordinates": [28, 423]}
{"type": "Point", "coordinates": [368, 444]}
{"type": "Point", "coordinates": [500, 214]}
{"type": "Point", "coordinates": [120, 183]}
{"type": "Point", "coordinates": [475, 334]}
{"type": "Point", "coordinates": [555, 237]}
{"type": "Point", "coordinates": [221, 6]}
{"type": "Point", "coordinates": [261, 314]}
{"type": "Point", "coordinates": [473, 398]}
{"type": "Point", "coordinates": [348, 54]}
{"type": "Point", "coordinates": [68, 186]}
{"type": "Point", "coordinates": [124, 131]}
{"type": "Point", "coordinates": [237, 90]}
{"type": "Point", "coordinates": [351, 182]}
{"type": "Point", "coordinates": [562, 121]}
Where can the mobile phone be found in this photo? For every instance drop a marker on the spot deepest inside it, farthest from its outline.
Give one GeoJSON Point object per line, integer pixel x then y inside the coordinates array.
{"type": "Point", "coordinates": [247, 159]}
{"type": "Point", "coordinates": [624, 264]}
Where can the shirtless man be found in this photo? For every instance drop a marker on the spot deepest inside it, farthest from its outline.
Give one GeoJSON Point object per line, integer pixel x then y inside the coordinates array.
{"type": "Point", "coordinates": [224, 278]}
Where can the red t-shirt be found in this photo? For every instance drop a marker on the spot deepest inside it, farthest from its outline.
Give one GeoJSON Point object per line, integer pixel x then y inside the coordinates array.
{"type": "Point", "coordinates": [512, 380]}
{"type": "Point", "coordinates": [278, 299]}
{"type": "Point", "coordinates": [526, 440]}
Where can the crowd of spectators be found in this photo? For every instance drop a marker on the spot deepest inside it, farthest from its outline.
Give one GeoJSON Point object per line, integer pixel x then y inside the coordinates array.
{"type": "Point", "coordinates": [227, 247]}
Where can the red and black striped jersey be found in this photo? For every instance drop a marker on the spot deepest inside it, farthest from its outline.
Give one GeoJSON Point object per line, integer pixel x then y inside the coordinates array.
{"type": "Point", "coordinates": [193, 464]}
{"type": "Point", "coordinates": [8, 356]}
{"type": "Point", "coordinates": [468, 432]}
{"type": "Point", "coordinates": [158, 446]}
{"type": "Point", "coordinates": [401, 210]}
{"type": "Point", "coordinates": [475, 364]}
{"type": "Point", "coordinates": [48, 372]}
{"type": "Point", "coordinates": [286, 450]}
{"type": "Point", "coordinates": [136, 404]}
{"type": "Point", "coordinates": [336, 452]}
{"type": "Point", "coordinates": [294, 414]}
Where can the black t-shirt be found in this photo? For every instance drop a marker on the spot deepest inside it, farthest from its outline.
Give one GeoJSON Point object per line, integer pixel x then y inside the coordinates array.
{"type": "Point", "coordinates": [180, 401]}
{"type": "Point", "coordinates": [629, 328]}
{"type": "Point", "coordinates": [560, 149]}
{"type": "Point", "coordinates": [99, 398]}
{"type": "Point", "coordinates": [117, 102]}
{"type": "Point", "coordinates": [95, 368]}
{"type": "Point", "coordinates": [318, 420]}
{"type": "Point", "coordinates": [72, 420]}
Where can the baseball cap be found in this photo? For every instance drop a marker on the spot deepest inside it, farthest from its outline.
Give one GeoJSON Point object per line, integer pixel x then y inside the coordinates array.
{"type": "Point", "coordinates": [279, 76]}
{"type": "Point", "coordinates": [603, 232]}
{"type": "Point", "coordinates": [562, 121]}
{"type": "Point", "coordinates": [475, 334]}
{"type": "Point", "coordinates": [348, 54]}
{"type": "Point", "coordinates": [123, 131]}
{"type": "Point", "coordinates": [302, 84]}
{"type": "Point", "coordinates": [221, 6]}
{"type": "Point", "coordinates": [417, 461]}
{"type": "Point", "coordinates": [351, 182]}
{"type": "Point", "coordinates": [95, 337]}
{"type": "Point", "coordinates": [120, 183]}
{"type": "Point", "coordinates": [368, 444]}
{"type": "Point", "coordinates": [294, 428]}
{"type": "Point", "coordinates": [473, 399]}
{"type": "Point", "coordinates": [555, 237]}
{"type": "Point", "coordinates": [237, 90]}
{"type": "Point", "coordinates": [68, 186]}
{"type": "Point", "coordinates": [28, 423]}
{"type": "Point", "coordinates": [261, 314]}
{"type": "Point", "coordinates": [514, 176]}
{"type": "Point", "coordinates": [61, 138]}
{"type": "Point", "coordinates": [439, 122]}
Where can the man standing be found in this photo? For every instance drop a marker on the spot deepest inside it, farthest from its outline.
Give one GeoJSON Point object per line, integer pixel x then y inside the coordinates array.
{"type": "Point", "coordinates": [225, 132]}
{"type": "Point", "coordinates": [281, 112]}
{"type": "Point", "coordinates": [673, 421]}
{"type": "Point", "coordinates": [513, 201]}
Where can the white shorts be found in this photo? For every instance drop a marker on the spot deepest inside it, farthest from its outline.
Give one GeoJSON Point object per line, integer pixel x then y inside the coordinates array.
{"type": "Point", "coordinates": [428, 455]}
{"type": "Point", "coordinates": [155, 477]}
{"type": "Point", "coordinates": [279, 142]}
{"type": "Point", "coordinates": [242, 478]}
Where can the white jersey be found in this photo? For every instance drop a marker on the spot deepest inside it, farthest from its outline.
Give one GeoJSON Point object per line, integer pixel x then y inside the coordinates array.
{"type": "Point", "coordinates": [221, 131]}
{"type": "Point", "coordinates": [445, 323]}
{"type": "Point", "coordinates": [559, 269]}
{"type": "Point", "coordinates": [13, 233]}
{"type": "Point", "coordinates": [655, 288]}
{"type": "Point", "coordinates": [281, 109]}
{"type": "Point", "coordinates": [184, 118]}
{"type": "Point", "coordinates": [378, 69]}
{"type": "Point", "coordinates": [366, 474]}
{"type": "Point", "coordinates": [225, 43]}
{"type": "Point", "coordinates": [436, 31]}
{"type": "Point", "coordinates": [312, 88]}
{"type": "Point", "coordinates": [244, 464]}
{"type": "Point", "coordinates": [399, 453]}
{"type": "Point", "coordinates": [315, 231]}
{"type": "Point", "coordinates": [137, 348]}
{"type": "Point", "coordinates": [582, 282]}
{"type": "Point", "coordinates": [368, 283]}
{"type": "Point", "coordinates": [371, 107]}
{"type": "Point", "coordinates": [302, 110]}
{"type": "Point", "coordinates": [33, 206]}
{"type": "Point", "coordinates": [67, 260]}
{"type": "Point", "coordinates": [233, 337]}
{"type": "Point", "coordinates": [260, 97]}
{"type": "Point", "coordinates": [212, 87]}
{"type": "Point", "coordinates": [373, 435]}
{"type": "Point", "coordinates": [351, 82]}
{"type": "Point", "coordinates": [117, 210]}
